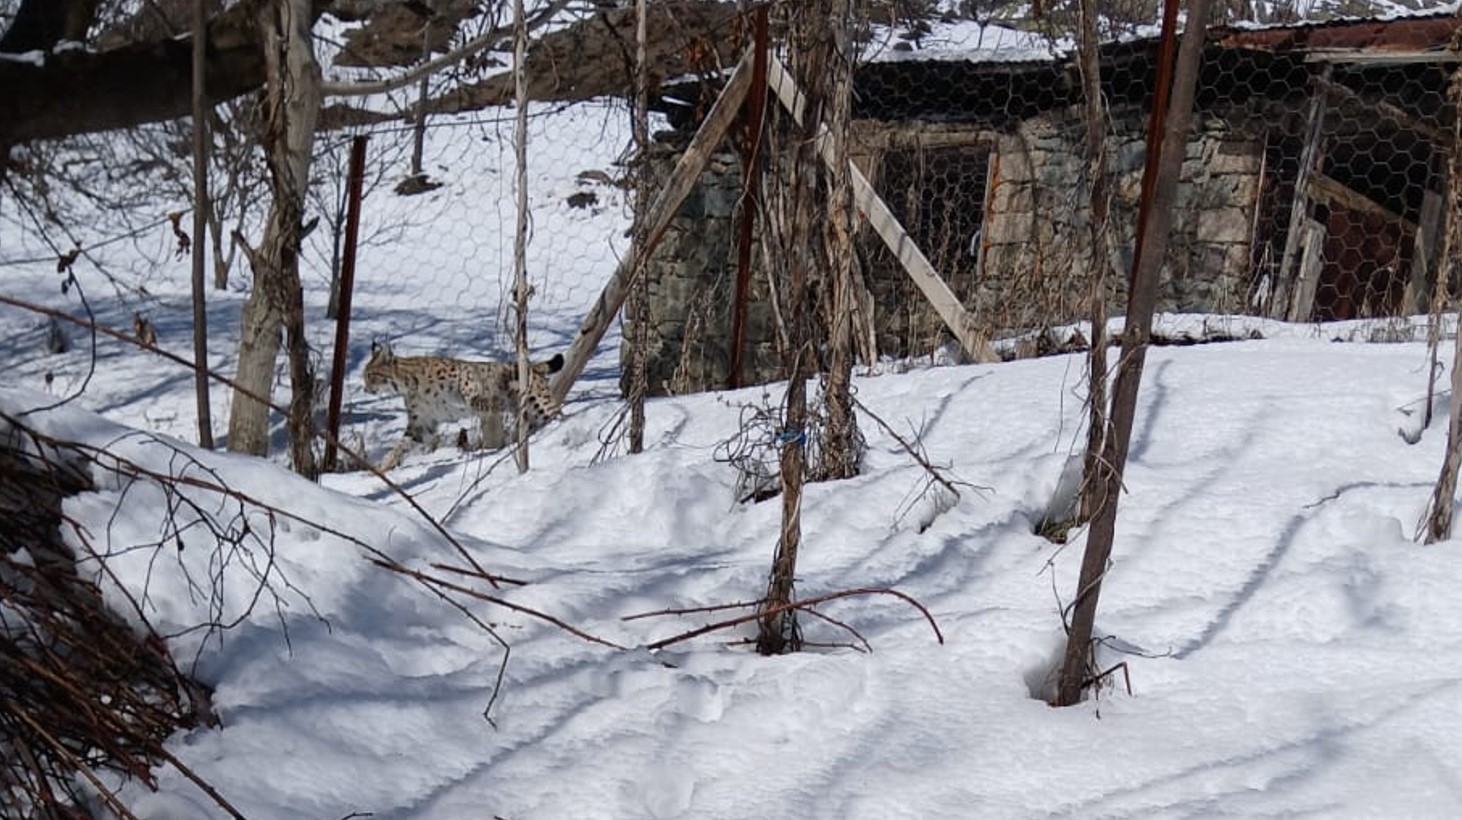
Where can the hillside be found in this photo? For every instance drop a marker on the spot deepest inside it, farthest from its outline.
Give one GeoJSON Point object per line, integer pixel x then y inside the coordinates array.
{"type": "Point", "coordinates": [1288, 645]}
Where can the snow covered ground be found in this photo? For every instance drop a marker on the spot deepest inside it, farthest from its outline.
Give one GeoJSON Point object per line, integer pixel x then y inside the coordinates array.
{"type": "Point", "coordinates": [1292, 651]}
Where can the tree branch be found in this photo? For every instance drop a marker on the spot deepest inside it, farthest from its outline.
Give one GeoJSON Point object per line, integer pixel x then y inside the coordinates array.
{"type": "Point", "coordinates": [79, 92]}
{"type": "Point", "coordinates": [489, 39]}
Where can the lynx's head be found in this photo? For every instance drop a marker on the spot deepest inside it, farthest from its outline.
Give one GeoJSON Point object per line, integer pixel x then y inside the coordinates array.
{"type": "Point", "coordinates": [380, 371]}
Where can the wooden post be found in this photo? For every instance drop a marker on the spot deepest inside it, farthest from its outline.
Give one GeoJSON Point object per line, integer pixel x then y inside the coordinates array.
{"type": "Point", "coordinates": [886, 225]}
{"type": "Point", "coordinates": [713, 129]}
{"type": "Point", "coordinates": [1423, 252]}
{"type": "Point", "coordinates": [200, 227]}
{"type": "Point", "coordinates": [418, 128]}
{"type": "Point", "coordinates": [520, 234]}
{"type": "Point", "coordinates": [1310, 155]}
{"type": "Point", "coordinates": [1307, 282]}
{"type": "Point", "coordinates": [636, 319]}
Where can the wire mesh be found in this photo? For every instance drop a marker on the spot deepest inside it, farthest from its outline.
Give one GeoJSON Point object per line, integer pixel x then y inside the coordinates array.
{"type": "Point", "coordinates": [1312, 189]}
{"type": "Point", "coordinates": [435, 266]}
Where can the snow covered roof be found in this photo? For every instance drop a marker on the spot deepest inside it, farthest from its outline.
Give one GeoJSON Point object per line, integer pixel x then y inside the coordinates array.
{"type": "Point", "coordinates": [1398, 32]}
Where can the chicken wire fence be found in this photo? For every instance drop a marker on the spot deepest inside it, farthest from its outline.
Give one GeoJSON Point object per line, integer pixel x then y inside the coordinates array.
{"type": "Point", "coordinates": [435, 255]}
{"type": "Point", "coordinates": [1312, 190]}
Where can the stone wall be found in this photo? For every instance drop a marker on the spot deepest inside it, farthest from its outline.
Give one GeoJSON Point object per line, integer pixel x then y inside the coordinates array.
{"type": "Point", "coordinates": [692, 281]}
{"type": "Point", "coordinates": [1027, 267]}
{"type": "Point", "coordinates": [1037, 248]}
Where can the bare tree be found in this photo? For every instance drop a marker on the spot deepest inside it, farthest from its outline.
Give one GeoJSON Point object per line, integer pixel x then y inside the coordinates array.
{"type": "Point", "coordinates": [200, 226]}
{"type": "Point", "coordinates": [1155, 219]}
{"type": "Point", "coordinates": [793, 188]}
{"type": "Point", "coordinates": [238, 180]}
{"type": "Point", "coordinates": [520, 234]}
{"type": "Point", "coordinates": [291, 109]}
{"type": "Point", "coordinates": [841, 443]}
{"type": "Point", "coordinates": [1099, 192]}
{"type": "Point", "coordinates": [638, 305]}
{"type": "Point", "coordinates": [1438, 526]}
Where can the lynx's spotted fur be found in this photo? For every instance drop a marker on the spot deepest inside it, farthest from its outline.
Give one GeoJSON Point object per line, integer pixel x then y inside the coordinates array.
{"type": "Point", "coordinates": [438, 389]}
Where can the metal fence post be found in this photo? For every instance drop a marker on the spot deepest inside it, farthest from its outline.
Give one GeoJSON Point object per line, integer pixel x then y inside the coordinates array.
{"type": "Point", "coordinates": [347, 286]}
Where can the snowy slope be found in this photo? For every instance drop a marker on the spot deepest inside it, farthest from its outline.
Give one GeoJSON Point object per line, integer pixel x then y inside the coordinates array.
{"type": "Point", "coordinates": [1298, 649]}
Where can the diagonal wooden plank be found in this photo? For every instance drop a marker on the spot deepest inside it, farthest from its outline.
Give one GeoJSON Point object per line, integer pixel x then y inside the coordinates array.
{"type": "Point", "coordinates": [959, 320]}
{"type": "Point", "coordinates": [666, 203]}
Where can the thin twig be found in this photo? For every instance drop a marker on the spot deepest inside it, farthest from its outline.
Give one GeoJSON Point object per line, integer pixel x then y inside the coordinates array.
{"type": "Point", "coordinates": [692, 610]}
{"type": "Point", "coordinates": [482, 596]}
{"type": "Point", "coordinates": [802, 604]}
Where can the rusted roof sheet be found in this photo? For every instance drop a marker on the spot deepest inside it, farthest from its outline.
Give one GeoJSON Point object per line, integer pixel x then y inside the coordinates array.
{"type": "Point", "coordinates": [1407, 34]}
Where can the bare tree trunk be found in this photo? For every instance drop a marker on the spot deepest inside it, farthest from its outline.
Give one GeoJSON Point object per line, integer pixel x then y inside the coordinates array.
{"type": "Point", "coordinates": [248, 421]}
{"type": "Point", "coordinates": [418, 128]}
{"type": "Point", "coordinates": [639, 298]}
{"type": "Point", "coordinates": [1439, 520]}
{"type": "Point", "coordinates": [1439, 517]}
{"type": "Point", "coordinates": [520, 236]}
{"type": "Point", "coordinates": [840, 440]}
{"type": "Point", "coordinates": [1076, 669]}
{"type": "Point", "coordinates": [291, 109]}
{"type": "Point", "coordinates": [221, 262]}
{"type": "Point", "coordinates": [1099, 182]}
{"type": "Point", "coordinates": [791, 194]}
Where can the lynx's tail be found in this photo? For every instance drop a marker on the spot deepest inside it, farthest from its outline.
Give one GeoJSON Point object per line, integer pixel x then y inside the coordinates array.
{"type": "Point", "coordinates": [551, 366]}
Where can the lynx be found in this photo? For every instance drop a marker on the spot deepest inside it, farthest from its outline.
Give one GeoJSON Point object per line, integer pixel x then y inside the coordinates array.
{"type": "Point", "coordinates": [439, 389]}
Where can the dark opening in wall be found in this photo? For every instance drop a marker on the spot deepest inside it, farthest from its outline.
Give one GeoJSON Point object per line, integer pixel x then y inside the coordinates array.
{"type": "Point", "coordinates": [938, 195]}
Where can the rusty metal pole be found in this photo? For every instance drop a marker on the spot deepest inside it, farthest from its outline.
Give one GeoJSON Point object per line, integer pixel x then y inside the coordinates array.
{"type": "Point", "coordinates": [750, 194]}
{"type": "Point", "coordinates": [347, 287]}
{"type": "Point", "coordinates": [1158, 206]}
{"type": "Point", "coordinates": [1157, 119]}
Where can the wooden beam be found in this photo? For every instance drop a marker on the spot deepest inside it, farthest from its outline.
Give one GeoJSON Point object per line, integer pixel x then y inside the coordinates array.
{"type": "Point", "coordinates": [1279, 304]}
{"type": "Point", "coordinates": [80, 91]}
{"type": "Point", "coordinates": [1309, 277]}
{"type": "Point", "coordinates": [1327, 190]}
{"type": "Point", "coordinates": [1423, 251]}
{"type": "Point", "coordinates": [1365, 57]}
{"type": "Point", "coordinates": [886, 225]}
{"type": "Point", "coordinates": [662, 209]}
{"type": "Point", "coordinates": [1441, 140]}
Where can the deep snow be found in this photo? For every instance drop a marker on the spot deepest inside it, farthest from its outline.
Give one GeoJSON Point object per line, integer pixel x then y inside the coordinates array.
{"type": "Point", "coordinates": [1294, 649]}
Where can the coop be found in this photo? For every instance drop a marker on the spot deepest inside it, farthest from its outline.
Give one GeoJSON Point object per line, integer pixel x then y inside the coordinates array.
{"type": "Point", "coordinates": [1312, 190]}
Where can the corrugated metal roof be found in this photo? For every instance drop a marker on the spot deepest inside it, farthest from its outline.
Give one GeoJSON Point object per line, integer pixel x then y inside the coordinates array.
{"type": "Point", "coordinates": [1404, 34]}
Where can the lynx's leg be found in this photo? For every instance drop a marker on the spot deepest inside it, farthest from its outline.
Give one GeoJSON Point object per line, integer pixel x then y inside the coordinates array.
{"type": "Point", "coordinates": [393, 459]}
{"type": "Point", "coordinates": [493, 436]}
{"type": "Point", "coordinates": [422, 428]}
{"type": "Point", "coordinates": [419, 430]}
